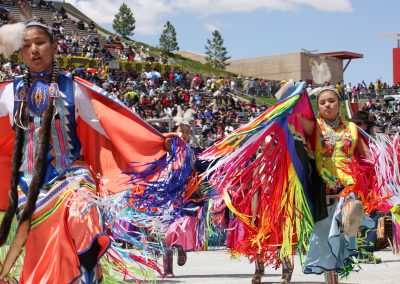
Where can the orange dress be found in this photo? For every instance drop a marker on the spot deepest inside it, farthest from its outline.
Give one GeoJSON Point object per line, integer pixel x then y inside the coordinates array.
{"type": "Point", "coordinates": [66, 224]}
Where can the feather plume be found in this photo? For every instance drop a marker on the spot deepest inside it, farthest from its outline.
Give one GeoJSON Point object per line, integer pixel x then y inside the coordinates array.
{"type": "Point", "coordinates": [11, 38]}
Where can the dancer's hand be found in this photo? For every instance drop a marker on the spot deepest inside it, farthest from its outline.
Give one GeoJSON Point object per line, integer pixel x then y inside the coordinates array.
{"type": "Point", "coordinates": [167, 145]}
{"type": "Point", "coordinates": [306, 124]}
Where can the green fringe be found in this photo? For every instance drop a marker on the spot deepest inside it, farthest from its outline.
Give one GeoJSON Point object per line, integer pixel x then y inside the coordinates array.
{"type": "Point", "coordinates": [113, 275]}
{"type": "Point", "coordinates": [351, 265]}
{"type": "Point", "coordinates": [15, 272]}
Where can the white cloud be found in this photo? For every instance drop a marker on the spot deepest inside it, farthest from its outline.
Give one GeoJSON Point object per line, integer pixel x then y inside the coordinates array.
{"type": "Point", "coordinates": [207, 7]}
{"type": "Point", "coordinates": [147, 13]}
{"type": "Point", "coordinates": [151, 15]}
{"type": "Point", "coordinates": [211, 27]}
{"type": "Point", "coordinates": [328, 5]}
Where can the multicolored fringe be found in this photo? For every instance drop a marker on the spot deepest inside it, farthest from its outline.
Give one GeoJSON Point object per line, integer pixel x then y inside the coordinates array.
{"type": "Point", "coordinates": [136, 238]}
{"type": "Point", "coordinates": [366, 186]}
{"type": "Point", "coordinates": [274, 179]}
{"type": "Point", "coordinates": [137, 218]}
{"type": "Point", "coordinates": [123, 264]}
{"type": "Point", "coordinates": [163, 187]}
{"type": "Point", "coordinates": [216, 223]}
{"type": "Point", "coordinates": [386, 156]}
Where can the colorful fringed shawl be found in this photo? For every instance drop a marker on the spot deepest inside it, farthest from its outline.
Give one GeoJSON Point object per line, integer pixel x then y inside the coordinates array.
{"type": "Point", "coordinates": [386, 156]}
{"type": "Point", "coordinates": [276, 179]}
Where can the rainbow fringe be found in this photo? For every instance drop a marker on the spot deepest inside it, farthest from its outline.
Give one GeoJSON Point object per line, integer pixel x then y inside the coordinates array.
{"type": "Point", "coordinates": [139, 217]}
{"type": "Point", "coordinates": [366, 187]}
{"type": "Point", "coordinates": [283, 219]}
{"type": "Point", "coordinates": [136, 238]}
{"type": "Point", "coordinates": [165, 185]}
{"type": "Point", "coordinates": [386, 161]}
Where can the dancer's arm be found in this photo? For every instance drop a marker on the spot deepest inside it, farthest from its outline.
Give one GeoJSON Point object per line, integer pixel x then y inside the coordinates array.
{"type": "Point", "coordinates": [307, 125]}
{"type": "Point", "coordinates": [363, 149]}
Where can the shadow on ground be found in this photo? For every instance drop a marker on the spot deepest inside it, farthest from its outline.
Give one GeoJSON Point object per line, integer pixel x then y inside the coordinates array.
{"type": "Point", "coordinates": [390, 260]}
{"type": "Point", "coordinates": [222, 276]}
{"type": "Point", "coordinates": [300, 282]}
{"type": "Point", "coordinates": [160, 281]}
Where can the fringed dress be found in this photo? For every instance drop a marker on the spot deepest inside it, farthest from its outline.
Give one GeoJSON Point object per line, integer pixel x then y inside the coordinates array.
{"type": "Point", "coordinates": [330, 248]}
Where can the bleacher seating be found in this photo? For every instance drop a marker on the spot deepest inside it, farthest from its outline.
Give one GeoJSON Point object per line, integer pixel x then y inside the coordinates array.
{"type": "Point", "coordinates": [69, 26]}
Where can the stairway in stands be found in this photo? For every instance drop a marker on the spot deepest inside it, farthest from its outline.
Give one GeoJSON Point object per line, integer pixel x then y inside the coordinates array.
{"type": "Point", "coordinates": [69, 27]}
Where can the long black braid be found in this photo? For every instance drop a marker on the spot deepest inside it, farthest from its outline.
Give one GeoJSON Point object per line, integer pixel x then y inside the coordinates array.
{"type": "Point", "coordinates": [39, 162]}
{"type": "Point", "coordinates": [13, 194]}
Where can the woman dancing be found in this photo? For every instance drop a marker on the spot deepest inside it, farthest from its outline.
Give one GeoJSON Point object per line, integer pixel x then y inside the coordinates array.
{"type": "Point", "coordinates": [333, 240]}
{"type": "Point", "coordinates": [66, 131]}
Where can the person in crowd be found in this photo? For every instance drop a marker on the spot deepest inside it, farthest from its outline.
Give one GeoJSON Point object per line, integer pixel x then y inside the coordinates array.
{"type": "Point", "coordinates": [362, 120]}
{"type": "Point", "coordinates": [91, 26]}
{"type": "Point", "coordinates": [378, 88]}
{"type": "Point", "coordinates": [80, 25]}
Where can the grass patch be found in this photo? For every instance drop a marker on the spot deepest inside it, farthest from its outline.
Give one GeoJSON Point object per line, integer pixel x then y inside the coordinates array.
{"type": "Point", "coordinates": [194, 66]}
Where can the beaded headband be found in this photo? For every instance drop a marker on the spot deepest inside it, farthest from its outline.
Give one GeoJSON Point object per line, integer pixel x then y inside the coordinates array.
{"type": "Point", "coordinates": [327, 88]}
{"type": "Point", "coordinates": [35, 23]}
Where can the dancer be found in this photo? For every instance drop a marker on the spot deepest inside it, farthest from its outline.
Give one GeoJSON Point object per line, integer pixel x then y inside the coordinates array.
{"type": "Point", "coordinates": [287, 265]}
{"type": "Point", "coordinates": [333, 240]}
{"type": "Point", "coordinates": [184, 234]}
{"type": "Point", "coordinates": [66, 134]}
{"type": "Point", "coordinates": [258, 171]}
{"type": "Point", "coordinates": [46, 170]}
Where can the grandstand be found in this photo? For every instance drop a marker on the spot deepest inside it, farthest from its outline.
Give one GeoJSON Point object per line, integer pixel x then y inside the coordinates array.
{"type": "Point", "coordinates": [48, 15]}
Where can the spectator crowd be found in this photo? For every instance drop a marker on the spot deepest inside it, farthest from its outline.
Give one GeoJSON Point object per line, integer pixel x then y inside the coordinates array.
{"type": "Point", "coordinates": [210, 103]}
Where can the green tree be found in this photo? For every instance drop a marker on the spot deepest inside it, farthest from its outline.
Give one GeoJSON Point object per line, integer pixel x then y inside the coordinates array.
{"type": "Point", "coordinates": [168, 38]}
{"type": "Point", "coordinates": [216, 53]}
{"type": "Point", "coordinates": [124, 21]}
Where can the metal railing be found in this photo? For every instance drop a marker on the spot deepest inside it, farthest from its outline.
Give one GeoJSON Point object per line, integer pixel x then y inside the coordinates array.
{"type": "Point", "coordinates": [168, 120]}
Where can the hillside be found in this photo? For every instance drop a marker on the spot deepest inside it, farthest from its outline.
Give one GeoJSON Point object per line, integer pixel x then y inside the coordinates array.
{"type": "Point", "coordinates": [75, 15]}
{"type": "Point", "coordinates": [187, 62]}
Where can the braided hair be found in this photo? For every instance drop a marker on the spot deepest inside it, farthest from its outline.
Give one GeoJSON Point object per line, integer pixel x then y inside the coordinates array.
{"type": "Point", "coordinates": [39, 161]}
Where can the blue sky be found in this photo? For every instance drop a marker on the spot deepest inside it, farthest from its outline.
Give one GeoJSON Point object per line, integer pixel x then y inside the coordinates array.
{"type": "Point", "coordinates": [252, 28]}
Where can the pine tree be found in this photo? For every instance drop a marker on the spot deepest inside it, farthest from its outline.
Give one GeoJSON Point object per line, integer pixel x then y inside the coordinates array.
{"type": "Point", "coordinates": [124, 21]}
{"type": "Point", "coordinates": [216, 53]}
{"type": "Point", "coordinates": [168, 38]}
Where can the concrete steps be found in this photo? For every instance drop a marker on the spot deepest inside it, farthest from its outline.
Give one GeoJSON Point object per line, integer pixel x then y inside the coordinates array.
{"type": "Point", "coordinates": [48, 17]}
